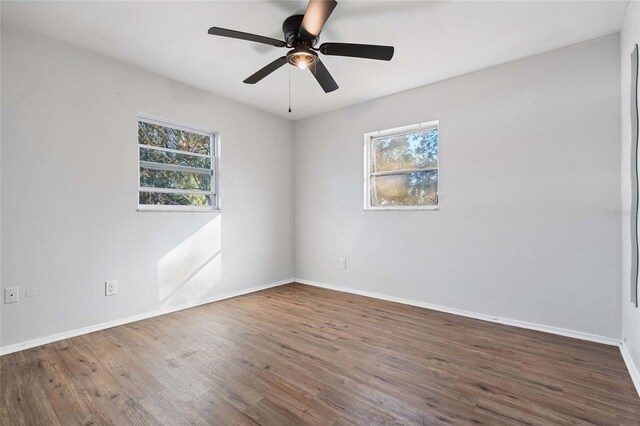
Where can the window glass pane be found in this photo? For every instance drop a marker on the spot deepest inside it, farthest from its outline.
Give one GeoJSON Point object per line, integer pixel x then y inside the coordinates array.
{"type": "Point", "coordinates": [166, 157]}
{"type": "Point", "coordinates": [405, 189]}
{"type": "Point", "coordinates": [166, 137]}
{"type": "Point", "coordinates": [174, 180]}
{"type": "Point", "coordinates": [153, 198]}
{"type": "Point", "coordinates": [408, 151]}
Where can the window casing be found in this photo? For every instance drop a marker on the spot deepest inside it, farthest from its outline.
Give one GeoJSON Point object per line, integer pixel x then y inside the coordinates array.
{"type": "Point", "coordinates": [177, 166]}
{"type": "Point", "coordinates": [401, 168]}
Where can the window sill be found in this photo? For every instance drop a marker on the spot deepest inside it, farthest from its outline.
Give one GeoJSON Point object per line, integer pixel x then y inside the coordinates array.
{"type": "Point", "coordinates": [403, 208]}
{"type": "Point", "coordinates": [155, 210]}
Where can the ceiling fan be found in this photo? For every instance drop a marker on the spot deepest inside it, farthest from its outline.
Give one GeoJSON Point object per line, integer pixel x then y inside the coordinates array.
{"type": "Point", "coordinates": [301, 33]}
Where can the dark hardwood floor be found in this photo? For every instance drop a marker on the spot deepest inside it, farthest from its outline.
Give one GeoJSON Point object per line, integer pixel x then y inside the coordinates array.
{"type": "Point", "coordinates": [301, 355]}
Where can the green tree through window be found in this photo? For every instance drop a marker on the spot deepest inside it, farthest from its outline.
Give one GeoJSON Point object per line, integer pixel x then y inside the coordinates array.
{"type": "Point", "coordinates": [176, 166]}
{"type": "Point", "coordinates": [403, 168]}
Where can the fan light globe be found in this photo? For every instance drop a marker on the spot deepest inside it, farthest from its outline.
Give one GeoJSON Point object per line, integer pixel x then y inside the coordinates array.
{"type": "Point", "coordinates": [301, 57]}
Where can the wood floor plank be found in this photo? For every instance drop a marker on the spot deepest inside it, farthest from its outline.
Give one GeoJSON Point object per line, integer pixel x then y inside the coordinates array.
{"type": "Point", "coordinates": [297, 354]}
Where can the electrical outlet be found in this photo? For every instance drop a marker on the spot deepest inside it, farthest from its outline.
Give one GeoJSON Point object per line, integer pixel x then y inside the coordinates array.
{"type": "Point", "coordinates": [343, 263]}
{"type": "Point", "coordinates": [11, 295]}
{"type": "Point", "coordinates": [110, 288]}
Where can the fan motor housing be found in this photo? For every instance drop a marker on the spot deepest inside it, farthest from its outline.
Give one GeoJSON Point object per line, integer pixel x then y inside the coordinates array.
{"type": "Point", "coordinates": [291, 28]}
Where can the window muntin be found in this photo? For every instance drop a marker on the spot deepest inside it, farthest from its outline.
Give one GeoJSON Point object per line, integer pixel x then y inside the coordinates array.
{"type": "Point", "coordinates": [401, 168]}
{"type": "Point", "coordinates": [177, 167]}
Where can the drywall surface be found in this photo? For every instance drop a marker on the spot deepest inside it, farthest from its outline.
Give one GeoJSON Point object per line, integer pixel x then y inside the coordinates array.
{"type": "Point", "coordinates": [629, 36]}
{"type": "Point", "coordinates": [529, 188]}
{"type": "Point", "coordinates": [69, 194]}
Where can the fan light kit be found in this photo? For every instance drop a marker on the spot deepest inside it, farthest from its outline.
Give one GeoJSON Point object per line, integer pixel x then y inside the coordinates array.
{"type": "Point", "coordinates": [301, 33]}
{"type": "Point", "coordinates": [301, 59]}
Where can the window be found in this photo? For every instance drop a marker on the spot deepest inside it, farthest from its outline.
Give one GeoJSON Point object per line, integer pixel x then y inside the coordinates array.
{"type": "Point", "coordinates": [177, 167]}
{"type": "Point", "coordinates": [401, 168]}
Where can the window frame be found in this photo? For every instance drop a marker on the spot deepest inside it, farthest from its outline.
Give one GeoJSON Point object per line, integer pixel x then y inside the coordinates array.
{"type": "Point", "coordinates": [215, 167]}
{"type": "Point", "coordinates": [368, 137]}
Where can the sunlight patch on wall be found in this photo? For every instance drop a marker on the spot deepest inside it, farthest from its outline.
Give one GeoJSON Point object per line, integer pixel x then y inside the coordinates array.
{"type": "Point", "coordinates": [191, 270]}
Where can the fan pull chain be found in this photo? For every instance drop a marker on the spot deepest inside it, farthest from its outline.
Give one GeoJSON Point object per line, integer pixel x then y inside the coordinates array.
{"type": "Point", "coordinates": [289, 89]}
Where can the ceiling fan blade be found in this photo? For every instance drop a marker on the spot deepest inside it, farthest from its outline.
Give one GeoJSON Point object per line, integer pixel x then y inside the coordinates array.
{"type": "Point", "coordinates": [262, 73]}
{"type": "Point", "coordinates": [367, 51]}
{"type": "Point", "coordinates": [246, 36]}
{"type": "Point", "coordinates": [322, 74]}
{"type": "Point", "coordinates": [317, 13]}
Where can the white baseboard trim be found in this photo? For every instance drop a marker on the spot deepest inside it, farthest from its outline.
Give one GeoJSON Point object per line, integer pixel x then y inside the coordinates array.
{"type": "Point", "coordinates": [631, 366]}
{"type": "Point", "coordinates": [4, 350]}
{"type": "Point", "coordinates": [633, 370]}
{"type": "Point", "coordinates": [484, 317]}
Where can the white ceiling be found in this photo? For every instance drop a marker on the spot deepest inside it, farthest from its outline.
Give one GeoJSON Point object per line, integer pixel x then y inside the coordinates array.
{"type": "Point", "coordinates": [433, 41]}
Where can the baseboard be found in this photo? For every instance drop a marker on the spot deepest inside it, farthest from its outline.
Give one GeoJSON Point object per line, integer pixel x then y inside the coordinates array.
{"type": "Point", "coordinates": [631, 366]}
{"type": "Point", "coordinates": [633, 370]}
{"type": "Point", "coordinates": [470, 314]}
{"type": "Point", "coordinates": [4, 350]}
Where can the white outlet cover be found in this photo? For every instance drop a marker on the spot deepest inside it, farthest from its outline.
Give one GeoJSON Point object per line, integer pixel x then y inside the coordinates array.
{"type": "Point", "coordinates": [110, 288]}
{"type": "Point", "coordinates": [11, 295]}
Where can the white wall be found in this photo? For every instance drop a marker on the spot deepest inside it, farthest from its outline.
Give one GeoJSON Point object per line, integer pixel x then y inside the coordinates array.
{"type": "Point", "coordinates": [629, 36]}
{"type": "Point", "coordinates": [530, 165]}
{"type": "Point", "coordinates": [69, 193]}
